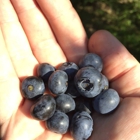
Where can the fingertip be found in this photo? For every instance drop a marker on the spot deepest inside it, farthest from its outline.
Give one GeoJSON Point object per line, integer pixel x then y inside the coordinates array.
{"type": "Point", "coordinates": [102, 40]}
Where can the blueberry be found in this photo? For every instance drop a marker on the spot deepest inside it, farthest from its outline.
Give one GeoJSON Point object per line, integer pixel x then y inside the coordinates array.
{"type": "Point", "coordinates": [84, 104]}
{"type": "Point", "coordinates": [44, 108]}
{"type": "Point", "coordinates": [65, 103]}
{"type": "Point", "coordinates": [106, 101]}
{"type": "Point", "coordinates": [70, 68]}
{"type": "Point", "coordinates": [32, 87]}
{"type": "Point", "coordinates": [105, 83]}
{"type": "Point", "coordinates": [81, 126]}
{"type": "Point", "coordinates": [44, 70]}
{"type": "Point", "coordinates": [58, 82]}
{"type": "Point", "coordinates": [58, 123]}
{"type": "Point", "coordinates": [71, 90]}
{"type": "Point", "coordinates": [91, 59]}
{"type": "Point", "coordinates": [88, 82]}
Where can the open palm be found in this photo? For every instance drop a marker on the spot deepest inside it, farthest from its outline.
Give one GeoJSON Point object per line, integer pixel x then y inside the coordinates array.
{"type": "Point", "coordinates": [50, 31]}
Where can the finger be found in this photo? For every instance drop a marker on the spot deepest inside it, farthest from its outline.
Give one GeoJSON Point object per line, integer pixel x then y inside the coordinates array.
{"type": "Point", "coordinates": [121, 68]}
{"type": "Point", "coordinates": [10, 98]}
{"type": "Point", "coordinates": [39, 33]}
{"type": "Point", "coordinates": [16, 41]}
{"type": "Point", "coordinates": [66, 26]}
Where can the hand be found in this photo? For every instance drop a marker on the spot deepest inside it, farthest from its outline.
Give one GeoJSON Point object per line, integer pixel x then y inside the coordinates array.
{"type": "Point", "coordinates": [51, 31]}
{"type": "Point", "coordinates": [32, 32]}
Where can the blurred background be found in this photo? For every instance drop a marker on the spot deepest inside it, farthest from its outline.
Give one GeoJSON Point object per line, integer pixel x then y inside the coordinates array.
{"type": "Point", "coordinates": [120, 17]}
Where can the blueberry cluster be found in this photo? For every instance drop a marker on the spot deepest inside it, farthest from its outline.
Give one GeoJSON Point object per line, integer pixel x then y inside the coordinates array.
{"type": "Point", "coordinates": [75, 91]}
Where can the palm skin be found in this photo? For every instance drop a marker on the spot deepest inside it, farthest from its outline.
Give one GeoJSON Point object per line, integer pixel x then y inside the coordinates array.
{"type": "Point", "coordinates": [39, 31]}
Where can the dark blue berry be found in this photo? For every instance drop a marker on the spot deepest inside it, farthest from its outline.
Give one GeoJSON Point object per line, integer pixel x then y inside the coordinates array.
{"type": "Point", "coordinates": [106, 102]}
{"type": "Point", "coordinates": [81, 126]}
{"type": "Point", "coordinates": [105, 83]}
{"type": "Point", "coordinates": [58, 82]}
{"type": "Point", "coordinates": [44, 70]}
{"type": "Point", "coordinates": [65, 103]}
{"type": "Point", "coordinates": [88, 82]}
{"type": "Point", "coordinates": [91, 59]}
{"type": "Point", "coordinates": [70, 68]}
{"type": "Point", "coordinates": [44, 108]}
{"type": "Point", "coordinates": [32, 87]}
{"type": "Point", "coordinates": [58, 123]}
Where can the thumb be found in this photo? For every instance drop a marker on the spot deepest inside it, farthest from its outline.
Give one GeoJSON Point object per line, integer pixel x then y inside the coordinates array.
{"type": "Point", "coordinates": [120, 67]}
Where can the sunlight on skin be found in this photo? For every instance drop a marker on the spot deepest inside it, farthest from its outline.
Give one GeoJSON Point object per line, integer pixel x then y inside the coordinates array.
{"type": "Point", "coordinates": [9, 85]}
{"type": "Point", "coordinates": [72, 38]}
{"type": "Point", "coordinates": [29, 37]}
{"type": "Point", "coordinates": [41, 38]}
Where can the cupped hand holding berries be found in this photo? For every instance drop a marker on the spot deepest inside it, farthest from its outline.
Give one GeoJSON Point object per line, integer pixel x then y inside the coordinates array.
{"type": "Point", "coordinates": [34, 32]}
